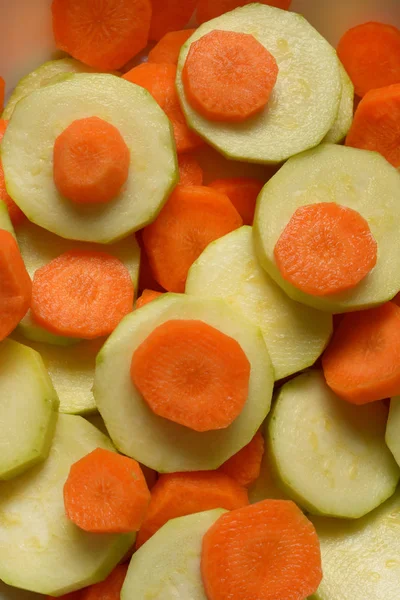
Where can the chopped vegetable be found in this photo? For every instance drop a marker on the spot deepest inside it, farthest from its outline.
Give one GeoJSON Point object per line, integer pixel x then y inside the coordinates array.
{"type": "Point", "coordinates": [209, 9]}
{"type": "Point", "coordinates": [146, 297]}
{"type": "Point", "coordinates": [16, 214]}
{"type": "Point", "coordinates": [169, 15]}
{"type": "Point", "coordinates": [2, 92]}
{"type": "Point", "coordinates": [109, 589]}
{"type": "Point", "coordinates": [166, 51]}
{"type": "Point", "coordinates": [245, 465]}
{"type": "Point", "coordinates": [190, 171]}
{"type": "Point", "coordinates": [242, 192]}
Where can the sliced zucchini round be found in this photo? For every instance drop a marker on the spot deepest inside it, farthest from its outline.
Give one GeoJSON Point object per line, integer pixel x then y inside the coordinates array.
{"type": "Point", "coordinates": [28, 409]}
{"type": "Point", "coordinates": [40, 549]}
{"type": "Point", "coordinates": [295, 334]}
{"type": "Point", "coordinates": [159, 443]}
{"type": "Point", "coordinates": [393, 429]}
{"type": "Point", "coordinates": [5, 221]}
{"type": "Point", "coordinates": [266, 486]}
{"type": "Point", "coordinates": [167, 566]}
{"type": "Point", "coordinates": [304, 103]}
{"type": "Point", "coordinates": [27, 156]}
{"type": "Point", "coordinates": [344, 118]}
{"type": "Point", "coordinates": [330, 456]}
{"type": "Point", "coordinates": [359, 179]}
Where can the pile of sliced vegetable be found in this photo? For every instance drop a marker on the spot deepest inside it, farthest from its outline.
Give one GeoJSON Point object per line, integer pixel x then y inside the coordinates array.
{"type": "Point", "coordinates": [199, 321]}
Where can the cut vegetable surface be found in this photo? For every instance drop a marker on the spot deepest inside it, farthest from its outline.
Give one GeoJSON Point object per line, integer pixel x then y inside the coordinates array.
{"type": "Point", "coordinates": [242, 192]}
{"type": "Point", "coordinates": [16, 214]}
{"type": "Point", "coordinates": [168, 48]}
{"type": "Point", "coordinates": [344, 118]}
{"type": "Point", "coordinates": [146, 297]}
{"type": "Point", "coordinates": [190, 171]}
{"type": "Point", "coordinates": [330, 456]}
{"type": "Point", "coordinates": [267, 485]}
{"type": "Point", "coordinates": [169, 15]}
{"type": "Point", "coordinates": [244, 466]}
{"type": "Point", "coordinates": [157, 442]}
{"type": "Point", "coordinates": [393, 429]}
{"type": "Point", "coordinates": [209, 9]}
{"type": "Point", "coordinates": [109, 589]}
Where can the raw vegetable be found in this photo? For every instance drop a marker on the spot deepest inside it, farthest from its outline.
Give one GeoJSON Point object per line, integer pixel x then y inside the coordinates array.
{"type": "Point", "coordinates": [190, 171]}
{"type": "Point", "coordinates": [393, 429]}
{"type": "Point", "coordinates": [167, 50]}
{"type": "Point", "coordinates": [344, 118]}
{"type": "Point", "coordinates": [266, 486]}
{"type": "Point", "coordinates": [109, 589]}
{"type": "Point", "coordinates": [242, 192]}
{"type": "Point", "coordinates": [209, 9]}
{"type": "Point", "coordinates": [169, 15]}
{"type": "Point", "coordinates": [146, 297]}
{"type": "Point", "coordinates": [244, 466]}
{"type": "Point", "coordinates": [2, 91]}
{"type": "Point", "coordinates": [5, 221]}
{"type": "Point", "coordinates": [16, 215]}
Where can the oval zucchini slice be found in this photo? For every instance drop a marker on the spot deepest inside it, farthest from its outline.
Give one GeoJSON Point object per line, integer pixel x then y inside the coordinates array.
{"type": "Point", "coordinates": [393, 429]}
{"type": "Point", "coordinates": [360, 179]}
{"type": "Point", "coordinates": [330, 456]}
{"type": "Point", "coordinates": [156, 442]}
{"type": "Point", "coordinates": [27, 156]}
{"type": "Point", "coordinates": [266, 485]}
{"type": "Point", "coordinates": [344, 118]}
{"type": "Point", "coordinates": [295, 334]}
{"type": "Point", "coordinates": [304, 103]}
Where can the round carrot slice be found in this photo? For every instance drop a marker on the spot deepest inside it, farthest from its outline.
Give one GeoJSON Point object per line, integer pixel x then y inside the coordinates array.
{"type": "Point", "coordinates": [228, 76]}
{"type": "Point", "coordinates": [268, 550]}
{"type": "Point", "coordinates": [16, 214]}
{"type": "Point", "coordinates": [190, 171]}
{"type": "Point", "coordinates": [244, 466]}
{"type": "Point", "coordinates": [82, 294]}
{"type": "Point", "coordinates": [209, 9]}
{"type": "Point", "coordinates": [192, 374]}
{"type": "Point", "coordinates": [90, 161]}
{"type": "Point", "coordinates": [168, 48]}
{"type": "Point", "coordinates": [325, 249]}
{"type": "Point", "coordinates": [169, 15]}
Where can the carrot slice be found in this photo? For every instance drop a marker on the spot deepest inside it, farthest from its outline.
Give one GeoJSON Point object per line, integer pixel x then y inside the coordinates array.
{"type": "Point", "coordinates": [16, 214]}
{"type": "Point", "coordinates": [376, 124]}
{"type": "Point", "coordinates": [167, 50]}
{"type": "Point", "coordinates": [159, 80]}
{"type": "Point", "coordinates": [190, 171]}
{"type": "Point", "coordinates": [146, 278]}
{"type": "Point", "coordinates": [228, 76]}
{"type": "Point", "coordinates": [179, 494]}
{"type": "Point", "coordinates": [170, 15]}
{"type": "Point", "coordinates": [106, 492]}
{"type": "Point", "coordinates": [245, 465]}
{"type": "Point", "coordinates": [2, 92]}
{"type": "Point", "coordinates": [370, 53]}
{"type": "Point", "coordinates": [146, 297]}
{"type": "Point", "coordinates": [209, 9]}
{"type": "Point", "coordinates": [90, 161]}
{"type": "Point", "coordinates": [15, 285]}
{"type": "Point", "coordinates": [362, 362]}
{"type": "Point", "coordinates": [105, 34]}
{"type": "Point", "coordinates": [192, 374]}
{"type": "Point", "coordinates": [325, 249]}
{"type": "Point", "coordinates": [82, 294]}
{"type": "Point", "coordinates": [109, 589]}
{"type": "Point", "coordinates": [267, 551]}
{"type": "Point", "coordinates": [242, 192]}
{"type": "Point", "coordinates": [193, 217]}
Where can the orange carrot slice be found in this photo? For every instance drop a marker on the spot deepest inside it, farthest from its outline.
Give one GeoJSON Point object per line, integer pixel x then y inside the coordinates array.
{"type": "Point", "coordinates": [167, 50]}
{"type": "Point", "coordinates": [146, 297]}
{"type": "Point", "coordinates": [325, 249]}
{"type": "Point", "coordinates": [193, 217]}
{"type": "Point", "coordinates": [267, 551]}
{"type": "Point", "coordinates": [209, 9]}
{"type": "Point", "coordinates": [179, 494]}
{"type": "Point", "coordinates": [245, 465]}
{"type": "Point", "coordinates": [2, 92]}
{"type": "Point", "coordinates": [362, 362]}
{"type": "Point", "coordinates": [242, 192]}
{"type": "Point", "coordinates": [82, 294]}
{"type": "Point", "coordinates": [106, 492]}
{"type": "Point", "coordinates": [105, 34]}
{"type": "Point", "coordinates": [91, 161]}
{"type": "Point", "coordinates": [109, 589]}
{"type": "Point", "coordinates": [170, 15]}
{"type": "Point", "coordinates": [146, 277]}
{"type": "Point", "coordinates": [376, 124]}
{"type": "Point", "coordinates": [16, 214]}
{"type": "Point", "coordinates": [190, 171]}
{"type": "Point", "coordinates": [192, 374]}
{"type": "Point", "coordinates": [370, 53]}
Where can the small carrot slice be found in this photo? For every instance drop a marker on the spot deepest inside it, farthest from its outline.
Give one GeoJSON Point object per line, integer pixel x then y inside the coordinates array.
{"type": "Point", "coordinates": [167, 50]}
{"type": "Point", "coordinates": [242, 192]}
{"type": "Point", "coordinates": [362, 362]}
{"type": "Point", "coordinates": [15, 285]}
{"type": "Point", "coordinates": [376, 124]}
{"type": "Point", "coordinates": [192, 374]}
{"type": "Point", "coordinates": [105, 34]}
{"type": "Point", "coordinates": [159, 80]}
{"type": "Point", "coordinates": [325, 249]}
{"type": "Point", "coordinates": [2, 92]}
{"type": "Point", "coordinates": [190, 171]}
{"type": "Point", "coordinates": [228, 76]}
{"type": "Point", "coordinates": [109, 589]}
{"type": "Point", "coordinates": [267, 550]}
{"type": "Point", "coordinates": [170, 15]}
{"type": "Point", "coordinates": [193, 217]}
{"type": "Point", "coordinates": [179, 494]}
{"type": "Point", "coordinates": [90, 161]}
{"type": "Point", "coordinates": [146, 297]}
{"type": "Point", "coordinates": [82, 294]}
{"type": "Point", "coordinates": [245, 465]}
{"type": "Point", "coordinates": [16, 214]}
{"type": "Point", "coordinates": [209, 9]}
{"type": "Point", "coordinates": [370, 53]}
{"type": "Point", "coordinates": [106, 492]}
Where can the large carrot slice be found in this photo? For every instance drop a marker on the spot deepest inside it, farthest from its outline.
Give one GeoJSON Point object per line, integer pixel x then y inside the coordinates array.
{"type": "Point", "coordinates": [245, 465]}
{"type": "Point", "coordinates": [192, 374]}
{"type": "Point", "coordinates": [325, 249]}
{"type": "Point", "coordinates": [209, 9]}
{"type": "Point", "coordinates": [170, 15]}
{"type": "Point", "coordinates": [166, 51]}
{"type": "Point", "coordinates": [102, 34]}
{"type": "Point", "coordinates": [228, 76]}
{"type": "Point", "coordinates": [179, 494]}
{"type": "Point", "coordinates": [242, 192]}
{"type": "Point", "coordinates": [190, 171]}
{"type": "Point", "coordinates": [370, 53]}
{"type": "Point", "coordinates": [193, 217]}
{"type": "Point", "coordinates": [106, 492]}
{"type": "Point", "coordinates": [90, 161]}
{"type": "Point", "coordinates": [109, 589]}
{"type": "Point", "coordinates": [267, 551]}
{"type": "Point", "coordinates": [16, 214]}
{"type": "Point", "coordinates": [82, 294]}
{"type": "Point", "coordinates": [146, 297]}
{"type": "Point", "coordinates": [362, 362]}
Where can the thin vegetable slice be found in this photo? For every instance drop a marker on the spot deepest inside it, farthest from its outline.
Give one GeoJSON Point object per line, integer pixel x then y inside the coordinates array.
{"type": "Point", "coordinates": [209, 9]}
{"type": "Point", "coordinates": [146, 297]}
{"type": "Point", "coordinates": [169, 15]}
{"type": "Point", "coordinates": [244, 466]}
{"type": "Point", "coordinates": [16, 214]}
{"type": "Point", "coordinates": [393, 429]}
{"type": "Point", "coordinates": [242, 192]}
{"type": "Point", "coordinates": [109, 589]}
{"type": "Point", "coordinates": [167, 50]}
{"type": "Point", "coordinates": [344, 118]}
{"type": "Point", "coordinates": [190, 171]}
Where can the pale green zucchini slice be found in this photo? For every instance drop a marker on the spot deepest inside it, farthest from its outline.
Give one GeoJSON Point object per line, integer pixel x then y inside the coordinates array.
{"type": "Point", "coordinates": [167, 566]}
{"type": "Point", "coordinates": [5, 221]}
{"type": "Point", "coordinates": [159, 443]}
{"type": "Point", "coordinates": [295, 334]}
{"type": "Point", "coordinates": [40, 549]}
{"type": "Point", "coordinates": [330, 455]}
{"type": "Point", "coordinates": [393, 429]}
{"type": "Point", "coordinates": [359, 179]}
{"type": "Point", "coordinates": [27, 156]}
{"type": "Point", "coordinates": [344, 118]}
{"type": "Point", "coordinates": [266, 485]}
{"type": "Point", "coordinates": [304, 103]}
{"type": "Point", "coordinates": [28, 409]}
